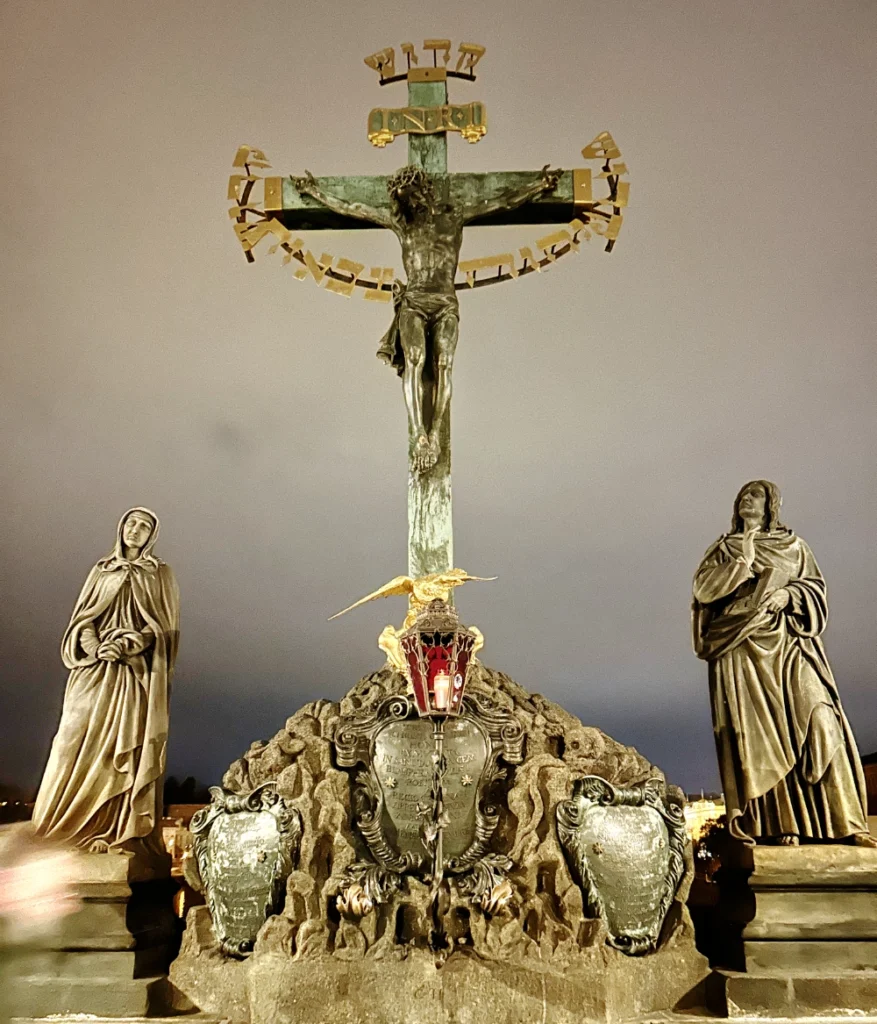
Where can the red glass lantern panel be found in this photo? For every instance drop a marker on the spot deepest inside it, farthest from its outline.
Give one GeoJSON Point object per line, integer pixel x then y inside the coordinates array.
{"type": "Point", "coordinates": [438, 662]}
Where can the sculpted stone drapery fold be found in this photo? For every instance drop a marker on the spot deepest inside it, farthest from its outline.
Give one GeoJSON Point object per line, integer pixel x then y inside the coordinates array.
{"type": "Point", "coordinates": [788, 760]}
{"type": "Point", "coordinates": [102, 784]}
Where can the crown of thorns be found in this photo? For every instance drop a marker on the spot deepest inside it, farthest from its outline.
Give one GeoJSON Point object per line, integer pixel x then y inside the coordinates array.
{"type": "Point", "coordinates": [410, 177]}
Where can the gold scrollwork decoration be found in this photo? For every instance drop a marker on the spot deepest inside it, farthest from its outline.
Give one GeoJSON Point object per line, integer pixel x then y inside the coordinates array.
{"type": "Point", "coordinates": [601, 217]}
{"type": "Point", "coordinates": [254, 219]}
{"type": "Point", "coordinates": [594, 216]}
{"type": "Point", "coordinates": [386, 123]}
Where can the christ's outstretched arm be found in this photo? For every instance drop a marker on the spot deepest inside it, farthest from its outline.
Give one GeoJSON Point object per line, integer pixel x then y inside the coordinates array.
{"type": "Point", "coordinates": [512, 197]}
{"type": "Point", "coordinates": [309, 186]}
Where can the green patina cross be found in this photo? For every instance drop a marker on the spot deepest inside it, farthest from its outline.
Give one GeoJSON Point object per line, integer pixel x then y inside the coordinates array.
{"type": "Point", "coordinates": [428, 212]}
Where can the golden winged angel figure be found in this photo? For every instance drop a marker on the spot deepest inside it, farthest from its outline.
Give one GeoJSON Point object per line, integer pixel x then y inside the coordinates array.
{"type": "Point", "coordinates": [420, 591]}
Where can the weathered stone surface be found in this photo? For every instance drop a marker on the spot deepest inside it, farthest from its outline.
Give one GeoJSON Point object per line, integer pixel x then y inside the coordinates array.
{"type": "Point", "coordinates": [606, 986]}
{"type": "Point", "coordinates": [755, 995]}
{"type": "Point", "coordinates": [214, 983]}
{"type": "Point", "coordinates": [783, 994]}
{"type": "Point", "coordinates": [813, 914]}
{"type": "Point", "coordinates": [810, 956]}
{"type": "Point", "coordinates": [538, 958]}
{"type": "Point", "coordinates": [826, 866]}
{"type": "Point", "coordinates": [107, 959]}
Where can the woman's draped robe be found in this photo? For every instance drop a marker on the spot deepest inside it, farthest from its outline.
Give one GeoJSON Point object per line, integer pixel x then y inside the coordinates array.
{"type": "Point", "coordinates": [787, 756]}
{"type": "Point", "coordinates": [104, 774]}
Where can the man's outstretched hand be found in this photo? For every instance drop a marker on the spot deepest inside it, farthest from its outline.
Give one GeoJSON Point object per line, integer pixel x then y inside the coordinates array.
{"type": "Point", "coordinates": [550, 178]}
{"type": "Point", "coordinates": [305, 185]}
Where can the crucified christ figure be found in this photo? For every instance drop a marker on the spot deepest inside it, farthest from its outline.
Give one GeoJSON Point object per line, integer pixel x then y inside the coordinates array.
{"type": "Point", "coordinates": [427, 317]}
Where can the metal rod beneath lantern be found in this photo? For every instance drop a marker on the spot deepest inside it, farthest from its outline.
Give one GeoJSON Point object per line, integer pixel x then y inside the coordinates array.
{"type": "Point", "coordinates": [438, 808]}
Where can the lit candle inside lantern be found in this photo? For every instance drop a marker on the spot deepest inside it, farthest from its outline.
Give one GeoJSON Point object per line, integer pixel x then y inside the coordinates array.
{"type": "Point", "coordinates": [441, 686]}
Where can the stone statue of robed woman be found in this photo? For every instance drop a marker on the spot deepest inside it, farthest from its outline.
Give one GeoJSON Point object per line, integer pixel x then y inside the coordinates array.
{"type": "Point", "coordinates": [789, 764]}
{"type": "Point", "coordinates": [101, 790]}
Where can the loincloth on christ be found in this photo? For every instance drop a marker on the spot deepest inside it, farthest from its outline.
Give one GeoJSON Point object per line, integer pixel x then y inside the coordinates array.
{"type": "Point", "coordinates": [433, 308]}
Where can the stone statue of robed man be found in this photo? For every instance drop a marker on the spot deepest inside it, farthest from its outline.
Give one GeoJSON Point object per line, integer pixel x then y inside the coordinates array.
{"type": "Point", "coordinates": [101, 790]}
{"type": "Point", "coordinates": [788, 760]}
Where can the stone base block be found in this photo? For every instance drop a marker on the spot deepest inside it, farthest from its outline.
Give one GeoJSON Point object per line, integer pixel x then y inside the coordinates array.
{"type": "Point", "coordinates": [807, 921]}
{"type": "Point", "coordinates": [781, 994]}
{"type": "Point", "coordinates": [466, 990]}
{"type": "Point", "coordinates": [109, 959]}
{"type": "Point", "coordinates": [215, 985]}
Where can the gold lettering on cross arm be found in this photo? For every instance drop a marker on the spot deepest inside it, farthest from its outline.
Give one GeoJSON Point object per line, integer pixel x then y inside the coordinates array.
{"type": "Point", "coordinates": [437, 45]}
{"type": "Point", "coordinates": [470, 54]}
{"type": "Point", "coordinates": [384, 62]}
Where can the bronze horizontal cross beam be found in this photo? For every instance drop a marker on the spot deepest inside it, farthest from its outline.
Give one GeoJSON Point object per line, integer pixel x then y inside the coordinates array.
{"type": "Point", "coordinates": [303, 213]}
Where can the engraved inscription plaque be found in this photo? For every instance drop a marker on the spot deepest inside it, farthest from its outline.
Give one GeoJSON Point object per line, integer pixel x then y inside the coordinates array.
{"type": "Point", "coordinates": [395, 748]}
{"type": "Point", "coordinates": [244, 846]}
{"type": "Point", "coordinates": [627, 847]}
{"type": "Point", "coordinates": [632, 868]}
{"type": "Point", "coordinates": [402, 760]}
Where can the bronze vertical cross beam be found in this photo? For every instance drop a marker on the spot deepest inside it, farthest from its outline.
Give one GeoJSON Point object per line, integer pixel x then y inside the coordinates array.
{"type": "Point", "coordinates": [430, 500]}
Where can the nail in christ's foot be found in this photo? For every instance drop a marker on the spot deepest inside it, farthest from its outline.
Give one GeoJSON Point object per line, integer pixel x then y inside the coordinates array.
{"type": "Point", "coordinates": [434, 445]}
{"type": "Point", "coordinates": [423, 455]}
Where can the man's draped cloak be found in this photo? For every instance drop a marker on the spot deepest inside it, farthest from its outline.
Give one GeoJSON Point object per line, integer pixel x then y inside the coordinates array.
{"type": "Point", "coordinates": [787, 756]}
{"type": "Point", "coordinates": [104, 774]}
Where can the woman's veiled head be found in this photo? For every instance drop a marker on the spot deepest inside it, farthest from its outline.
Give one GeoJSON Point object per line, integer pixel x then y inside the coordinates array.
{"type": "Point", "coordinates": [759, 498]}
{"type": "Point", "coordinates": [137, 533]}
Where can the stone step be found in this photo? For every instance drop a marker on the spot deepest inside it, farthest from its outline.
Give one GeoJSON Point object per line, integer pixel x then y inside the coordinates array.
{"type": "Point", "coordinates": [46, 996]}
{"type": "Point", "coordinates": [810, 957]}
{"type": "Point", "coordinates": [781, 993]}
{"type": "Point", "coordinates": [820, 866]}
{"type": "Point", "coordinates": [96, 925]}
{"type": "Point", "coordinates": [122, 964]}
{"type": "Point", "coordinates": [813, 914]}
{"type": "Point", "coordinates": [195, 1017]}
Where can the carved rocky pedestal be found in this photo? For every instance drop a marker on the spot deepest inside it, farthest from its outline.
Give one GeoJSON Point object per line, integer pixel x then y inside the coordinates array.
{"type": "Point", "coordinates": [366, 936]}
{"type": "Point", "coordinates": [110, 957]}
{"type": "Point", "coordinates": [805, 922]}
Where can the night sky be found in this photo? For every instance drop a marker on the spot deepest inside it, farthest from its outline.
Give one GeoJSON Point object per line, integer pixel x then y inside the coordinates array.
{"type": "Point", "coordinates": [604, 414]}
